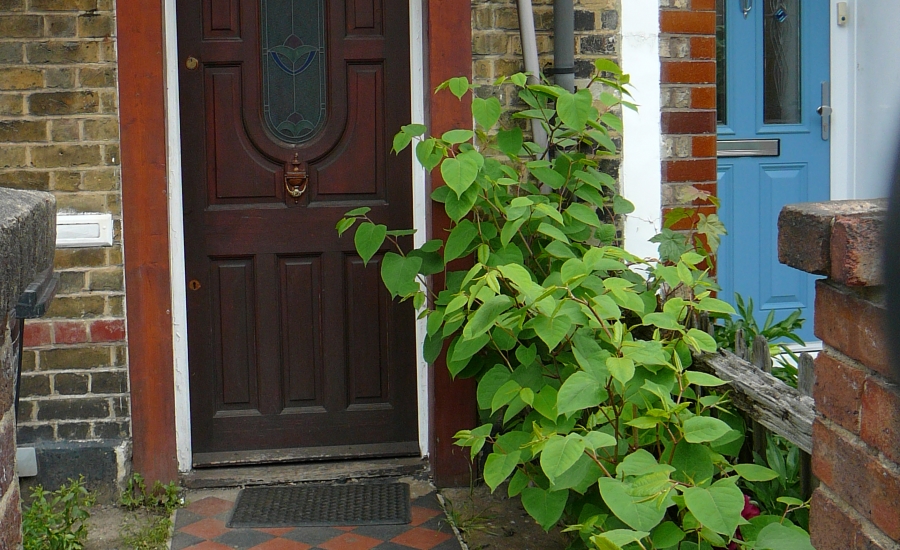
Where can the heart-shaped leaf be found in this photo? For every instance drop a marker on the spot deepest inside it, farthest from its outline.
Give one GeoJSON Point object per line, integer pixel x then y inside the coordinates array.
{"type": "Point", "coordinates": [368, 239]}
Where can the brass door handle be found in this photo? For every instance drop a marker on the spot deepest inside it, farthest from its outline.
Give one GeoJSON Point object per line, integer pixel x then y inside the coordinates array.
{"type": "Point", "coordinates": [296, 178]}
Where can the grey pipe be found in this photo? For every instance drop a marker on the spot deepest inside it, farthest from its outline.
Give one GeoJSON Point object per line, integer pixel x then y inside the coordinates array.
{"type": "Point", "coordinates": [530, 53]}
{"type": "Point", "coordinates": [564, 44]}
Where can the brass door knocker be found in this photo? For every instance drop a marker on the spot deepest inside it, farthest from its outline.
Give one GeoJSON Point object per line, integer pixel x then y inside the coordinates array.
{"type": "Point", "coordinates": [296, 178]}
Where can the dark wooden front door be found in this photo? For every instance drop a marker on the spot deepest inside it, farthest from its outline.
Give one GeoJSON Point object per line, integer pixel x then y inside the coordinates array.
{"type": "Point", "coordinates": [296, 350]}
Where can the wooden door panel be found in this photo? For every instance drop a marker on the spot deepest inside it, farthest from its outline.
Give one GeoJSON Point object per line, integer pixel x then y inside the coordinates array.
{"type": "Point", "coordinates": [365, 135]}
{"type": "Point", "coordinates": [301, 289]}
{"type": "Point", "coordinates": [367, 326]}
{"type": "Point", "coordinates": [221, 19]}
{"type": "Point", "coordinates": [235, 169]}
{"type": "Point", "coordinates": [364, 17]}
{"type": "Point", "coordinates": [233, 292]}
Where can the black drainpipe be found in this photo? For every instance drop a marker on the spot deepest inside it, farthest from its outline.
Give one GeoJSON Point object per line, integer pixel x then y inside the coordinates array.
{"type": "Point", "coordinates": [564, 44]}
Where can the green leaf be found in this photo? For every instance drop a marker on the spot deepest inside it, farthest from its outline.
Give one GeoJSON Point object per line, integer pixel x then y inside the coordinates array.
{"type": "Point", "coordinates": [666, 535]}
{"type": "Point", "coordinates": [597, 440]}
{"type": "Point", "coordinates": [510, 141]}
{"type": "Point", "coordinates": [545, 403]}
{"type": "Point", "coordinates": [701, 341]}
{"type": "Point", "coordinates": [701, 429]}
{"type": "Point", "coordinates": [368, 239]}
{"type": "Point", "coordinates": [526, 354]}
{"type": "Point", "coordinates": [703, 379]}
{"type": "Point", "coordinates": [509, 230]}
{"type": "Point", "coordinates": [486, 315]}
{"type": "Point", "coordinates": [621, 205]}
{"type": "Point", "coordinates": [459, 240]}
{"type": "Point", "coordinates": [459, 207]}
{"type": "Point", "coordinates": [544, 506]}
{"type": "Point", "coordinates": [606, 65]}
{"type": "Point", "coordinates": [715, 305]}
{"type": "Point", "coordinates": [776, 536]}
{"type": "Point", "coordinates": [504, 395]}
{"type": "Point", "coordinates": [663, 320]}
{"type": "Point", "coordinates": [552, 232]}
{"type": "Point", "coordinates": [399, 274]}
{"type": "Point", "coordinates": [358, 211]}
{"type": "Point", "coordinates": [548, 175]}
{"type": "Point", "coordinates": [432, 347]}
{"type": "Point", "coordinates": [459, 174]}
{"type": "Point", "coordinates": [518, 482]}
{"type": "Point", "coordinates": [579, 391]}
{"type": "Point", "coordinates": [621, 368]}
{"type": "Point", "coordinates": [344, 224]}
{"type": "Point", "coordinates": [560, 454]}
{"type": "Point", "coordinates": [551, 330]}
{"type": "Point", "coordinates": [401, 141]}
{"type": "Point", "coordinates": [612, 121]}
{"type": "Point", "coordinates": [458, 86]}
{"type": "Point", "coordinates": [429, 155]}
{"type": "Point", "coordinates": [457, 136]}
{"type": "Point", "coordinates": [637, 513]}
{"type": "Point", "coordinates": [620, 537]}
{"type": "Point", "coordinates": [574, 109]}
{"type": "Point", "coordinates": [693, 463]}
{"type": "Point", "coordinates": [489, 384]}
{"type": "Point", "coordinates": [585, 214]}
{"type": "Point", "coordinates": [498, 467]}
{"type": "Point", "coordinates": [755, 472]}
{"type": "Point", "coordinates": [486, 111]}
{"type": "Point", "coordinates": [718, 507]}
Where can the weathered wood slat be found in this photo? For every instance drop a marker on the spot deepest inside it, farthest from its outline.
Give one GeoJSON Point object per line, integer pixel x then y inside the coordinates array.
{"type": "Point", "coordinates": [777, 406]}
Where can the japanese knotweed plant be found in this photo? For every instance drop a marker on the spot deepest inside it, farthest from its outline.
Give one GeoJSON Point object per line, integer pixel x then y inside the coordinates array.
{"type": "Point", "coordinates": [581, 350]}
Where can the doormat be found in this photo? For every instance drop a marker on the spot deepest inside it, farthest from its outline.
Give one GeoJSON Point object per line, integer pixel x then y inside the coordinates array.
{"type": "Point", "coordinates": [322, 505]}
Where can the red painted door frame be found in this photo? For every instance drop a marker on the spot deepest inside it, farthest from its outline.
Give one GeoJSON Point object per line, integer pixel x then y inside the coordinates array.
{"type": "Point", "coordinates": [142, 112]}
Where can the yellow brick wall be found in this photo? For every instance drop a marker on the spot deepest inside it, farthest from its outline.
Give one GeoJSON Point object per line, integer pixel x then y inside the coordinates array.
{"type": "Point", "coordinates": [60, 133]}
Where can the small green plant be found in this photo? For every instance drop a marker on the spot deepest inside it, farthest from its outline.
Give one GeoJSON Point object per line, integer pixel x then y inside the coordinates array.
{"type": "Point", "coordinates": [784, 367]}
{"type": "Point", "coordinates": [160, 502]}
{"type": "Point", "coordinates": [582, 351]}
{"type": "Point", "coordinates": [57, 520]}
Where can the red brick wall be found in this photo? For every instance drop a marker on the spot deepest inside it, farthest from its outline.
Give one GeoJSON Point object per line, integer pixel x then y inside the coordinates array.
{"type": "Point", "coordinates": [688, 88]}
{"type": "Point", "coordinates": [856, 435]}
{"type": "Point", "coordinates": [10, 510]}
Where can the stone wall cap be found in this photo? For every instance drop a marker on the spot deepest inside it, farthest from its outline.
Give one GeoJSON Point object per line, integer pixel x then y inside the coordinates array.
{"type": "Point", "coordinates": [27, 241]}
{"type": "Point", "coordinates": [838, 239]}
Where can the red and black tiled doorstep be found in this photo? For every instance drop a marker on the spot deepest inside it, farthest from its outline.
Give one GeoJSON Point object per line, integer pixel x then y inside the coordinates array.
{"type": "Point", "coordinates": [201, 526]}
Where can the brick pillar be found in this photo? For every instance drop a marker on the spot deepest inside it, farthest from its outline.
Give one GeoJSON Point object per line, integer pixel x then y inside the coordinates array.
{"type": "Point", "coordinates": [856, 435]}
{"type": "Point", "coordinates": [27, 240]}
{"type": "Point", "coordinates": [687, 46]}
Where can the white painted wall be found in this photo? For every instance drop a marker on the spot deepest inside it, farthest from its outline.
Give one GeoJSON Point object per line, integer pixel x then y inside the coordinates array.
{"type": "Point", "coordinates": [865, 73]}
{"type": "Point", "coordinates": [641, 173]}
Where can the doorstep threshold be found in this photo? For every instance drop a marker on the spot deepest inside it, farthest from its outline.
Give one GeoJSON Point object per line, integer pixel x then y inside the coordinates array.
{"type": "Point", "coordinates": [281, 474]}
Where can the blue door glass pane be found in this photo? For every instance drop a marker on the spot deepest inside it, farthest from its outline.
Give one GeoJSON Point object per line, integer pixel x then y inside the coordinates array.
{"type": "Point", "coordinates": [293, 68]}
{"type": "Point", "coordinates": [781, 36]}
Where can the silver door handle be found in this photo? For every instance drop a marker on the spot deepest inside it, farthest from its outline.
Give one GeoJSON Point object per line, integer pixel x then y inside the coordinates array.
{"type": "Point", "coordinates": [746, 6]}
{"type": "Point", "coordinates": [825, 110]}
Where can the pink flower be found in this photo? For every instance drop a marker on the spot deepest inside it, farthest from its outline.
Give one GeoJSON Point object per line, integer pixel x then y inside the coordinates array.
{"type": "Point", "coordinates": [750, 511]}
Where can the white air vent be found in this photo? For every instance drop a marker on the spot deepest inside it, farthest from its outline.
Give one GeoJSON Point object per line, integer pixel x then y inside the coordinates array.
{"type": "Point", "coordinates": [83, 230]}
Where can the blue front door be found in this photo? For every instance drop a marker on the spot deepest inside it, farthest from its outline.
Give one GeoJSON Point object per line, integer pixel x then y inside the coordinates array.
{"type": "Point", "coordinates": [773, 148]}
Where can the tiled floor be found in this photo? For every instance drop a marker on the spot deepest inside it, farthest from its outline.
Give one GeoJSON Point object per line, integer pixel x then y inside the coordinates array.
{"type": "Point", "coordinates": [201, 526]}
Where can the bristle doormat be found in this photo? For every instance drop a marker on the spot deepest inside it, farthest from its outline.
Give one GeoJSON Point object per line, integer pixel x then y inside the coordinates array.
{"type": "Point", "coordinates": [321, 505]}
